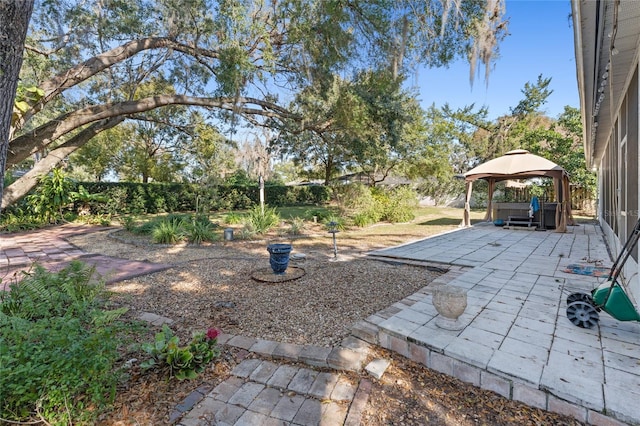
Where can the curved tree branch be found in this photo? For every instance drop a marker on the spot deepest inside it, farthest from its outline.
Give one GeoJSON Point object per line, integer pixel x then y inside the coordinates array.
{"type": "Point", "coordinates": [23, 185]}
{"type": "Point", "coordinates": [81, 72]}
{"type": "Point", "coordinates": [31, 142]}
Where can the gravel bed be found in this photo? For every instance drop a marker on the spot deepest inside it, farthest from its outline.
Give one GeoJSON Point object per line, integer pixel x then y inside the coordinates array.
{"type": "Point", "coordinates": [213, 286]}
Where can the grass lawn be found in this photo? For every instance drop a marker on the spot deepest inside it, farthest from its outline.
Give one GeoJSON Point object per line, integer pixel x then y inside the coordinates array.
{"type": "Point", "coordinates": [427, 221]}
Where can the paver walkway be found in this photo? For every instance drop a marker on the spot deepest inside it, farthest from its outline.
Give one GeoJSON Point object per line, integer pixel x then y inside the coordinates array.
{"type": "Point", "coordinates": [316, 390]}
{"type": "Point", "coordinates": [48, 247]}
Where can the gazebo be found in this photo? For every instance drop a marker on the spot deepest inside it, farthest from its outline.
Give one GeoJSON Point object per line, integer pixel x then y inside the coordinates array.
{"type": "Point", "coordinates": [521, 164]}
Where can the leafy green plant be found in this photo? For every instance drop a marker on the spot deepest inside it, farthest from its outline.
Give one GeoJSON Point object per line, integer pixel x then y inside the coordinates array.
{"type": "Point", "coordinates": [296, 226]}
{"type": "Point", "coordinates": [233, 218]}
{"type": "Point", "coordinates": [536, 190]}
{"type": "Point", "coordinates": [58, 347]}
{"type": "Point", "coordinates": [175, 228]}
{"type": "Point", "coordinates": [263, 221]}
{"type": "Point", "coordinates": [168, 231]}
{"type": "Point", "coordinates": [98, 219]}
{"type": "Point", "coordinates": [84, 200]}
{"type": "Point", "coordinates": [116, 201]}
{"type": "Point", "coordinates": [364, 219]}
{"type": "Point", "coordinates": [319, 214]}
{"type": "Point", "coordinates": [145, 228]}
{"type": "Point", "coordinates": [17, 219]}
{"type": "Point", "coordinates": [247, 232]}
{"type": "Point", "coordinates": [234, 199]}
{"type": "Point", "coordinates": [138, 203]}
{"type": "Point", "coordinates": [51, 195]}
{"type": "Point", "coordinates": [128, 223]}
{"type": "Point", "coordinates": [354, 197]}
{"type": "Point", "coordinates": [199, 231]}
{"type": "Point", "coordinates": [183, 362]}
{"type": "Point", "coordinates": [400, 205]}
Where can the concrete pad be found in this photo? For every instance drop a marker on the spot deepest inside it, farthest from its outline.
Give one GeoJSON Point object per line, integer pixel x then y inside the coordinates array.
{"type": "Point", "coordinates": [522, 317]}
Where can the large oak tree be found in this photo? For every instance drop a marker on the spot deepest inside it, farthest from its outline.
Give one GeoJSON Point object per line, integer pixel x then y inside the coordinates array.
{"type": "Point", "coordinates": [233, 58]}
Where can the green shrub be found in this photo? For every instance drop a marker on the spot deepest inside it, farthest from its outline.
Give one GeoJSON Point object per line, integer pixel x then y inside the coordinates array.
{"type": "Point", "coordinates": [236, 197]}
{"type": "Point", "coordinates": [353, 198]}
{"type": "Point", "coordinates": [319, 214]}
{"type": "Point", "coordinates": [168, 231]}
{"type": "Point", "coordinates": [94, 219]}
{"type": "Point", "coordinates": [138, 201]}
{"type": "Point", "coordinates": [247, 232]}
{"type": "Point", "coordinates": [175, 227]}
{"type": "Point", "coordinates": [51, 195]}
{"type": "Point", "coordinates": [128, 223]}
{"type": "Point", "coordinates": [160, 205]}
{"type": "Point", "coordinates": [233, 218]}
{"type": "Point", "coordinates": [296, 226]}
{"type": "Point", "coordinates": [315, 194]}
{"type": "Point", "coordinates": [15, 219]}
{"type": "Point", "coordinates": [200, 230]}
{"type": "Point", "coordinates": [364, 204]}
{"type": "Point", "coordinates": [132, 197]}
{"type": "Point", "coordinates": [145, 228]}
{"type": "Point", "coordinates": [180, 217]}
{"type": "Point", "coordinates": [400, 205]}
{"type": "Point", "coordinates": [85, 202]}
{"type": "Point", "coordinates": [363, 219]}
{"type": "Point", "coordinates": [139, 198]}
{"type": "Point", "coordinates": [116, 201]}
{"type": "Point", "coordinates": [58, 348]}
{"type": "Point", "coordinates": [262, 222]}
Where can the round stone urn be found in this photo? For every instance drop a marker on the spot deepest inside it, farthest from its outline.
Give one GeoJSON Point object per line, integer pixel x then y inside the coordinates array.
{"type": "Point", "coordinates": [279, 257]}
{"type": "Point", "coordinates": [450, 302]}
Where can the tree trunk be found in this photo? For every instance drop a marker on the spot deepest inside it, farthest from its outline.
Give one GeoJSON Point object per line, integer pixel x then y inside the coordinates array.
{"type": "Point", "coordinates": [328, 169]}
{"type": "Point", "coordinates": [14, 21]}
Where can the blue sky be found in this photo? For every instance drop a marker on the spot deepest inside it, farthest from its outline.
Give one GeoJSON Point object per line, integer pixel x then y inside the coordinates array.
{"type": "Point", "coordinates": [540, 41]}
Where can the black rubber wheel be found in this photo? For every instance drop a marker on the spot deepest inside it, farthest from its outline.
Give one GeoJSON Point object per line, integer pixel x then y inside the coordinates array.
{"type": "Point", "coordinates": [579, 297]}
{"type": "Point", "coordinates": [582, 314]}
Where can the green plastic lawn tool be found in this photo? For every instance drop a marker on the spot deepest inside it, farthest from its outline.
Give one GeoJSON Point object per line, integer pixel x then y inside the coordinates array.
{"type": "Point", "coordinates": [610, 296]}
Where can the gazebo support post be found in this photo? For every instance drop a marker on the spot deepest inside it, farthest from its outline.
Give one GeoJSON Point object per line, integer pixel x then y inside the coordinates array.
{"type": "Point", "coordinates": [492, 186]}
{"type": "Point", "coordinates": [466, 220]}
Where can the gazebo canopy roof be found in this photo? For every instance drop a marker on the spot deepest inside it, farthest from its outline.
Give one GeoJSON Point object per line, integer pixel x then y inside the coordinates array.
{"type": "Point", "coordinates": [516, 164]}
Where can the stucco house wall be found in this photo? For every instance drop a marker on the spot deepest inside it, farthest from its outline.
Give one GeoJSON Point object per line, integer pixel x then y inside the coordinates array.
{"type": "Point", "coordinates": [607, 46]}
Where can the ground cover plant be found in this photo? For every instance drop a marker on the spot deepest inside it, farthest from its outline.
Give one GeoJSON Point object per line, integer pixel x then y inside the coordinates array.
{"type": "Point", "coordinates": [64, 346]}
{"type": "Point", "coordinates": [183, 362]}
{"type": "Point", "coordinates": [174, 228]}
{"type": "Point", "coordinates": [59, 345]}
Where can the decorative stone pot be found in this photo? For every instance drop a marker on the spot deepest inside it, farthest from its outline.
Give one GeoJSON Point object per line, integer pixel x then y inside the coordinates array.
{"type": "Point", "coordinates": [450, 302]}
{"type": "Point", "coordinates": [279, 257]}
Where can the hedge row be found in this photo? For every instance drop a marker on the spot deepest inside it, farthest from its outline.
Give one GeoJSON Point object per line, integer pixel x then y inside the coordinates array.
{"type": "Point", "coordinates": [139, 198]}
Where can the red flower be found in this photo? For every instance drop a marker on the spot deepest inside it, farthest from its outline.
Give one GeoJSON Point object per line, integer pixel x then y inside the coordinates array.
{"type": "Point", "coordinates": [212, 333]}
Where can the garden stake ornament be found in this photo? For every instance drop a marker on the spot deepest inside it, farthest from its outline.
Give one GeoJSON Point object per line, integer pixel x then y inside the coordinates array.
{"type": "Point", "coordinates": [333, 230]}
